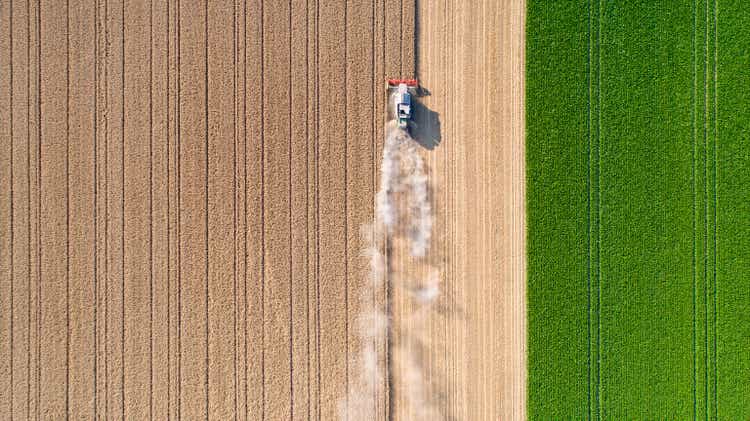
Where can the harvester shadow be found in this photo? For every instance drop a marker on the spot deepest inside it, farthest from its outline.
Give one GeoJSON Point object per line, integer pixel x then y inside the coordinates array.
{"type": "Point", "coordinates": [426, 128]}
{"type": "Point", "coordinates": [427, 122]}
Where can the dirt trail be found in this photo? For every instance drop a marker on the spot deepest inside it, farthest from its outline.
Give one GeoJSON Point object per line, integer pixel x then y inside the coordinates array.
{"type": "Point", "coordinates": [183, 186]}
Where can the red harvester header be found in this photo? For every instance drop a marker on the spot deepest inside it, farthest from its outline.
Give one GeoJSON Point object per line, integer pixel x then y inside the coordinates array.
{"type": "Point", "coordinates": [408, 82]}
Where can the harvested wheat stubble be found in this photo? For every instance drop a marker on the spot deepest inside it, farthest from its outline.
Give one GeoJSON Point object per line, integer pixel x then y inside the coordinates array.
{"type": "Point", "coordinates": [470, 57]}
{"type": "Point", "coordinates": [637, 169]}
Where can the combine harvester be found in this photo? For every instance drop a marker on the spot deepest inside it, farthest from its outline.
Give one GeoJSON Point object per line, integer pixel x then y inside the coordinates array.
{"type": "Point", "coordinates": [400, 92]}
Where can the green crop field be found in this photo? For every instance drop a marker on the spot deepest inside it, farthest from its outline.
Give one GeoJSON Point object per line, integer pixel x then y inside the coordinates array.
{"type": "Point", "coordinates": [638, 195]}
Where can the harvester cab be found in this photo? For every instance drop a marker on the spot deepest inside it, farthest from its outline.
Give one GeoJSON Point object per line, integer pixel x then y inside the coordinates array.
{"type": "Point", "coordinates": [399, 103]}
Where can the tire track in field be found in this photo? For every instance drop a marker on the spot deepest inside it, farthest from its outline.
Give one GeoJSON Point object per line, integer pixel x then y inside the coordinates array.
{"type": "Point", "coordinates": [594, 210]}
{"type": "Point", "coordinates": [705, 170]}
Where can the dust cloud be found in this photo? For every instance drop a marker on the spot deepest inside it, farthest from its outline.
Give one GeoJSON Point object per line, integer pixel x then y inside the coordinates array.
{"type": "Point", "coordinates": [403, 210]}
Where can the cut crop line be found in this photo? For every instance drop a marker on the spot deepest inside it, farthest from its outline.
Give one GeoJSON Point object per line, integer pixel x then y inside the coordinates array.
{"type": "Point", "coordinates": [169, 220]}
{"type": "Point", "coordinates": [307, 206]}
{"type": "Point", "coordinates": [11, 206]}
{"type": "Point", "coordinates": [38, 373]}
{"type": "Point", "coordinates": [235, 213]}
{"type": "Point", "coordinates": [150, 210]}
{"type": "Point", "coordinates": [38, 206]}
{"type": "Point", "coordinates": [206, 168]}
{"type": "Point", "coordinates": [317, 209]}
{"type": "Point", "coordinates": [400, 38]}
{"type": "Point", "coordinates": [244, 198]}
{"type": "Point", "coordinates": [122, 215]}
{"type": "Point", "coordinates": [373, 148]}
{"type": "Point", "coordinates": [178, 146]}
{"type": "Point", "coordinates": [346, 214]}
{"type": "Point", "coordinates": [107, 222]}
{"type": "Point", "coordinates": [67, 216]}
{"type": "Point", "coordinates": [244, 201]}
{"type": "Point", "coordinates": [28, 212]}
{"type": "Point", "coordinates": [95, 205]}
{"type": "Point", "coordinates": [262, 211]}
